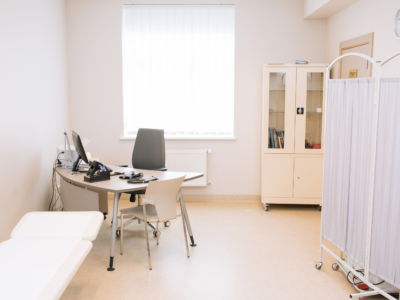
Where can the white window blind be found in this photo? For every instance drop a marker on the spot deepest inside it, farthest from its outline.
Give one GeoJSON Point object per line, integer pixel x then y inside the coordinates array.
{"type": "Point", "coordinates": [178, 69]}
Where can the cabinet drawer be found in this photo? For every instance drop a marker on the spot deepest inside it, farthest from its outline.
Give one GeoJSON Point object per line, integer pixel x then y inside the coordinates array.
{"type": "Point", "coordinates": [277, 177]}
{"type": "Point", "coordinates": [308, 177]}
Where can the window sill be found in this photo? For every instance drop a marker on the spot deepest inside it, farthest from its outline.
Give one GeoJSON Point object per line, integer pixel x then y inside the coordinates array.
{"type": "Point", "coordinates": [199, 138]}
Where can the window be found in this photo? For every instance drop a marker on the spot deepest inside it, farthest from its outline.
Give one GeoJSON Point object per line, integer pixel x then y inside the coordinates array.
{"type": "Point", "coordinates": [178, 69]}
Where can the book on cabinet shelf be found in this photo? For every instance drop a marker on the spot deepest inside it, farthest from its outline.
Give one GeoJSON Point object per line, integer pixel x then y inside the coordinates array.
{"type": "Point", "coordinates": [276, 139]}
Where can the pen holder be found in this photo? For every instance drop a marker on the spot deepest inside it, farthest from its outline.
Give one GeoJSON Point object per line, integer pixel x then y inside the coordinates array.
{"type": "Point", "coordinates": [98, 176]}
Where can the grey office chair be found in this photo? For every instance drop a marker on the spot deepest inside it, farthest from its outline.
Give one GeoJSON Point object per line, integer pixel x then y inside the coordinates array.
{"type": "Point", "coordinates": [149, 150]}
{"type": "Point", "coordinates": [148, 154]}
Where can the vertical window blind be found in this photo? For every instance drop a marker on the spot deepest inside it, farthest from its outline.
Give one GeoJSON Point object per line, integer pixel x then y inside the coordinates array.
{"type": "Point", "coordinates": [178, 69]}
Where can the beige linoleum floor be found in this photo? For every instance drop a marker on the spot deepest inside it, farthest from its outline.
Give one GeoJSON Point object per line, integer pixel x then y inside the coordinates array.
{"type": "Point", "coordinates": [243, 252]}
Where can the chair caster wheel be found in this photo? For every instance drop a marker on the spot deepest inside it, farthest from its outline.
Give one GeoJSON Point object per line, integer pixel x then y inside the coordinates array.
{"type": "Point", "coordinates": [156, 233]}
{"type": "Point", "coordinates": [318, 266]}
{"type": "Point", "coordinates": [167, 224]}
{"type": "Point", "coordinates": [105, 217]}
{"type": "Point", "coordinates": [335, 267]}
{"type": "Point", "coordinates": [118, 233]}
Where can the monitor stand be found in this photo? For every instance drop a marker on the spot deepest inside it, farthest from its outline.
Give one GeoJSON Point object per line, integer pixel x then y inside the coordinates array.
{"type": "Point", "coordinates": [75, 167]}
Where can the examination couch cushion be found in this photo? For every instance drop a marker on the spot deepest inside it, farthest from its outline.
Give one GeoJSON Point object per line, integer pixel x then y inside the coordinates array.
{"type": "Point", "coordinates": [39, 269]}
{"type": "Point", "coordinates": [77, 225]}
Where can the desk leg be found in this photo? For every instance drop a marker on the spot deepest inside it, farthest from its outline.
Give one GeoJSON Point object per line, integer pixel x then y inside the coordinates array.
{"type": "Point", "coordinates": [114, 226]}
{"type": "Point", "coordinates": [189, 228]}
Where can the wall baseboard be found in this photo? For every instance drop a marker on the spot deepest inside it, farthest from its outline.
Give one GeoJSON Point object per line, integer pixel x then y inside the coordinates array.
{"type": "Point", "coordinates": [206, 198]}
{"type": "Point", "coordinates": [222, 198]}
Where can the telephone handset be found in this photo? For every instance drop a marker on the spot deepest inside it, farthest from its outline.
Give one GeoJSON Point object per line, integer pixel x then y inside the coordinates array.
{"type": "Point", "coordinates": [96, 166]}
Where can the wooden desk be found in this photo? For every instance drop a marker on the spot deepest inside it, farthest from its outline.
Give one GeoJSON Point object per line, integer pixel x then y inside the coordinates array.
{"type": "Point", "coordinates": [118, 186]}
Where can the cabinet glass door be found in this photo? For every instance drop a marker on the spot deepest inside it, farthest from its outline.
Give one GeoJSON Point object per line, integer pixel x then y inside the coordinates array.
{"type": "Point", "coordinates": [276, 110]}
{"type": "Point", "coordinates": [310, 110]}
{"type": "Point", "coordinates": [279, 101]}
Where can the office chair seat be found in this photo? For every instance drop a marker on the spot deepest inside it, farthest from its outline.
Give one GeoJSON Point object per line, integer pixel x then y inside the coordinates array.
{"type": "Point", "coordinates": [151, 212]}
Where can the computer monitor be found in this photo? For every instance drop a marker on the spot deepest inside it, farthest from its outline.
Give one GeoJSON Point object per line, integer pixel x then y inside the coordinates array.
{"type": "Point", "coordinates": [80, 150]}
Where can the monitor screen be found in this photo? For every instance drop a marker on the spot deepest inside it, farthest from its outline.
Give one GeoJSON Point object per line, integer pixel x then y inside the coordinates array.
{"type": "Point", "coordinates": [79, 147]}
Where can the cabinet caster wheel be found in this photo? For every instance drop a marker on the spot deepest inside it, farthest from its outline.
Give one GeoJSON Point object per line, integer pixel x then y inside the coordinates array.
{"type": "Point", "coordinates": [318, 266]}
{"type": "Point", "coordinates": [335, 266]}
{"type": "Point", "coordinates": [265, 206]}
{"type": "Point", "coordinates": [156, 233]}
{"type": "Point", "coordinates": [118, 233]}
{"type": "Point", "coordinates": [320, 208]}
{"type": "Point", "coordinates": [167, 224]}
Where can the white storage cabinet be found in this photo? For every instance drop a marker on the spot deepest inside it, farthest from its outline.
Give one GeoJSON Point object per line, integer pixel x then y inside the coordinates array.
{"type": "Point", "coordinates": [292, 134]}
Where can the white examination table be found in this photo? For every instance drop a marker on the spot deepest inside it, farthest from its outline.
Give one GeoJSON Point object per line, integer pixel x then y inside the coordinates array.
{"type": "Point", "coordinates": [45, 251]}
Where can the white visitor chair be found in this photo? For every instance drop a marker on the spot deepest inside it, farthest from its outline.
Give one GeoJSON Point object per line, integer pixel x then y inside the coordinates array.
{"type": "Point", "coordinates": [159, 205]}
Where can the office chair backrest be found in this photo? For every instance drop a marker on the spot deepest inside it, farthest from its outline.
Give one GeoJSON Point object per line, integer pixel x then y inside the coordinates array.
{"type": "Point", "coordinates": [164, 194]}
{"type": "Point", "coordinates": [149, 150]}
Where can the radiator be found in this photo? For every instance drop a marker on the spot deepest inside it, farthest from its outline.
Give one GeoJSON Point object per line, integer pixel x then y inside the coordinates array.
{"type": "Point", "coordinates": [188, 161]}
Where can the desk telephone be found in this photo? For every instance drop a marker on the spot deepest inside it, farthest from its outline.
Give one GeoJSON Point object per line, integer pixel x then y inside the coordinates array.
{"type": "Point", "coordinates": [97, 172]}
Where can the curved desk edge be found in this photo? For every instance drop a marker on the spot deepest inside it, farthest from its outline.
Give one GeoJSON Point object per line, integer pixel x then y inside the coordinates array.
{"type": "Point", "coordinates": [117, 185]}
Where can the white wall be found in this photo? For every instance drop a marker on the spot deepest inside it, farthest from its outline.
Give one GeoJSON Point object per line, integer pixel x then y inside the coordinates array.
{"type": "Point", "coordinates": [364, 17]}
{"type": "Point", "coordinates": [311, 6]}
{"type": "Point", "coordinates": [322, 9]}
{"type": "Point", "coordinates": [34, 104]}
{"type": "Point", "coordinates": [266, 31]}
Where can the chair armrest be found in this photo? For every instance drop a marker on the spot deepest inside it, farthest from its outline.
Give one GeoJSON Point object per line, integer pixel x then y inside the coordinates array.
{"type": "Point", "coordinates": [161, 169]}
{"type": "Point", "coordinates": [148, 201]}
{"type": "Point", "coordinates": [122, 166]}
